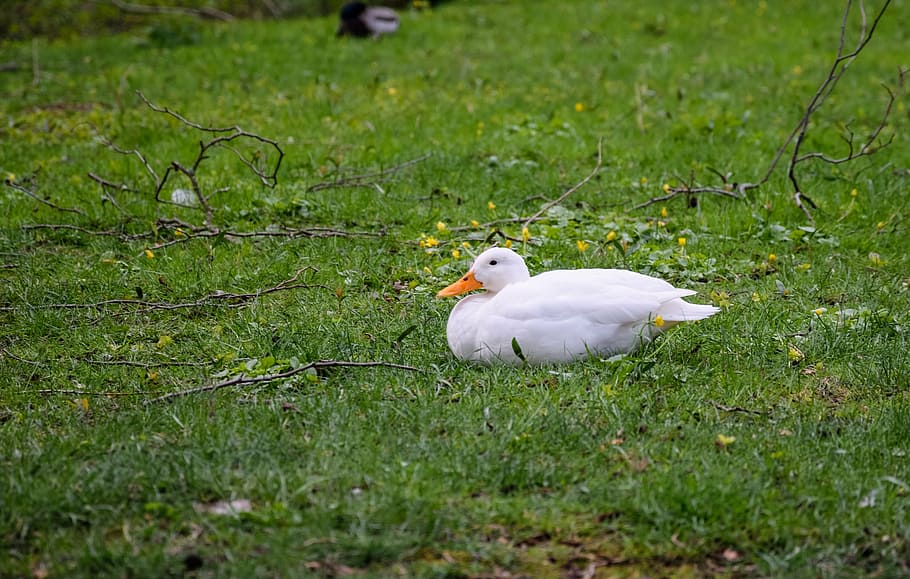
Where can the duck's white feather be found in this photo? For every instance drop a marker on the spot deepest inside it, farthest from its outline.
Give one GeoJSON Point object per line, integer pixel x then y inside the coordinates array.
{"type": "Point", "coordinates": [562, 315]}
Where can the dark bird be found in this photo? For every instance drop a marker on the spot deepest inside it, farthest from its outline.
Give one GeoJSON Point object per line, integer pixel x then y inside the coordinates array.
{"type": "Point", "coordinates": [358, 19]}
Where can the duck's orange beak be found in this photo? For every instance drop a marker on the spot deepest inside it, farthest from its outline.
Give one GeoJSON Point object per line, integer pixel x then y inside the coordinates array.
{"type": "Point", "coordinates": [465, 284]}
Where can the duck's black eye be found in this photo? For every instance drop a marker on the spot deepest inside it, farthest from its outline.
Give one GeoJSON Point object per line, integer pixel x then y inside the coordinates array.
{"type": "Point", "coordinates": [493, 262]}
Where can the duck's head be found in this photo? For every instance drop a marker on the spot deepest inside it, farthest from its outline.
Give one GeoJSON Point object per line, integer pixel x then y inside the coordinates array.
{"type": "Point", "coordinates": [493, 270]}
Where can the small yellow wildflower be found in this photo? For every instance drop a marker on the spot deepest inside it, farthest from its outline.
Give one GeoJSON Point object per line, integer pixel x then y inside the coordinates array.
{"type": "Point", "coordinates": [427, 270]}
{"type": "Point", "coordinates": [880, 225]}
{"type": "Point", "coordinates": [582, 245]}
{"type": "Point", "coordinates": [797, 70]}
{"type": "Point", "coordinates": [456, 253]}
{"type": "Point", "coordinates": [611, 236]}
{"type": "Point", "coordinates": [663, 212]}
{"type": "Point", "coordinates": [179, 233]}
{"type": "Point", "coordinates": [681, 241]}
{"type": "Point", "coordinates": [854, 193]}
{"type": "Point", "coordinates": [723, 441]}
{"type": "Point", "coordinates": [804, 266]}
{"type": "Point", "coordinates": [876, 259]}
{"type": "Point", "coordinates": [393, 91]}
{"type": "Point", "coordinates": [643, 180]}
{"type": "Point", "coordinates": [579, 107]}
{"type": "Point", "coordinates": [508, 243]}
{"type": "Point", "coordinates": [475, 224]}
{"type": "Point", "coordinates": [491, 206]}
{"type": "Point", "coordinates": [659, 321]}
{"type": "Point", "coordinates": [772, 258]}
{"type": "Point", "coordinates": [441, 227]}
{"type": "Point", "coordinates": [525, 234]}
{"type": "Point", "coordinates": [465, 244]}
{"type": "Point", "coordinates": [431, 242]}
{"type": "Point", "coordinates": [149, 254]}
{"type": "Point", "coordinates": [11, 177]}
{"type": "Point", "coordinates": [819, 311]}
{"type": "Point", "coordinates": [756, 297]}
{"type": "Point", "coordinates": [666, 188]}
{"type": "Point", "coordinates": [794, 354]}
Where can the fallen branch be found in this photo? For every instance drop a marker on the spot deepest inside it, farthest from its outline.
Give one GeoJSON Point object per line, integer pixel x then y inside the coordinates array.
{"type": "Point", "coordinates": [576, 187]}
{"type": "Point", "coordinates": [243, 380]}
{"type": "Point", "coordinates": [739, 409]}
{"type": "Point", "coordinates": [25, 190]}
{"type": "Point", "coordinates": [51, 391]}
{"type": "Point", "coordinates": [872, 144]}
{"type": "Point", "coordinates": [205, 11]}
{"type": "Point", "coordinates": [230, 300]}
{"type": "Point", "coordinates": [367, 179]}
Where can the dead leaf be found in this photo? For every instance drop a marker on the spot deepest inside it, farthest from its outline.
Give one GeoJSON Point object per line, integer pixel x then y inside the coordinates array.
{"type": "Point", "coordinates": [730, 555]}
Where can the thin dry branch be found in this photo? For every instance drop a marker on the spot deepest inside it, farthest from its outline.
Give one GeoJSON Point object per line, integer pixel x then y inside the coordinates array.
{"type": "Point", "coordinates": [243, 380]}
{"type": "Point", "coordinates": [227, 299]}
{"type": "Point", "coordinates": [203, 12]}
{"type": "Point", "coordinates": [738, 409]}
{"type": "Point", "coordinates": [366, 179]}
{"type": "Point", "coordinates": [573, 189]}
{"type": "Point", "coordinates": [30, 193]}
{"type": "Point", "coordinates": [105, 233]}
{"type": "Point", "coordinates": [51, 391]}
{"type": "Point", "coordinates": [842, 61]}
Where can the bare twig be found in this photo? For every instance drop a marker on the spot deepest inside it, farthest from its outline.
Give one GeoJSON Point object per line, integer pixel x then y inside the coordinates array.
{"type": "Point", "coordinates": [230, 300]}
{"type": "Point", "coordinates": [366, 179]}
{"type": "Point", "coordinates": [739, 409]}
{"type": "Point", "coordinates": [107, 233]}
{"type": "Point", "coordinates": [25, 190]}
{"type": "Point", "coordinates": [243, 380]}
{"type": "Point", "coordinates": [206, 11]}
{"type": "Point", "coordinates": [842, 61]}
{"type": "Point", "coordinates": [576, 187]}
{"type": "Point", "coordinates": [50, 391]}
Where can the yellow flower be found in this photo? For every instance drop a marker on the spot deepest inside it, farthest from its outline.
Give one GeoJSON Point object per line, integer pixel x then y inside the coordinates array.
{"type": "Point", "coordinates": [579, 107]}
{"type": "Point", "coordinates": [441, 227]}
{"type": "Point", "coordinates": [659, 321]}
{"type": "Point", "coordinates": [582, 245]}
{"type": "Point", "coordinates": [149, 254]}
{"type": "Point", "coordinates": [475, 224]}
{"type": "Point", "coordinates": [643, 180]}
{"type": "Point", "coordinates": [11, 177]}
{"type": "Point", "coordinates": [179, 233]}
{"type": "Point", "coordinates": [880, 225]}
{"type": "Point", "coordinates": [611, 236]}
{"type": "Point", "coordinates": [876, 259]}
{"type": "Point", "coordinates": [797, 69]}
{"type": "Point", "coordinates": [681, 241]}
{"type": "Point", "coordinates": [820, 311]}
{"type": "Point", "coordinates": [465, 244]}
{"type": "Point", "coordinates": [804, 267]}
{"type": "Point", "coordinates": [723, 441]}
{"type": "Point", "coordinates": [794, 354]}
{"type": "Point", "coordinates": [854, 193]}
{"type": "Point", "coordinates": [393, 91]}
{"type": "Point", "coordinates": [508, 243]}
{"type": "Point", "coordinates": [456, 254]}
{"type": "Point", "coordinates": [525, 234]}
{"type": "Point", "coordinates": [491, 206]}
{"type": "Point", "coordinates": [663, 212]}
{"type": "Point", "coordinates": [430, 242]}
{"type": "Point", "coordinates": [666, 187]}
{"type": "Point", "coordinates": [772, 258]}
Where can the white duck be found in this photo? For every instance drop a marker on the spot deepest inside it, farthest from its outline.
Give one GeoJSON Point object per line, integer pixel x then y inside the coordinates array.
{"type": "Point", "coordinates": [561, 315]}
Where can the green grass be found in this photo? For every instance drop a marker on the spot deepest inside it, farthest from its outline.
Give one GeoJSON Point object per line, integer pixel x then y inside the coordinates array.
{"type": "Point", "coordinates": [457, 469]}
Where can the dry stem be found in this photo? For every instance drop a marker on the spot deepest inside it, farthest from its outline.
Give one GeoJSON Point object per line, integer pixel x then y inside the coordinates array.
{"type": "Point", "coordinates": [243, 380]}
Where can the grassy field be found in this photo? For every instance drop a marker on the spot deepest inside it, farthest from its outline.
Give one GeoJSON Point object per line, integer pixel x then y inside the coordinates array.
{"type": "Point", "coordinates": [769, 440]}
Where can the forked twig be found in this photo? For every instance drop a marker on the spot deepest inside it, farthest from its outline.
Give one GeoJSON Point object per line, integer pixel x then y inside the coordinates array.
{"type": "Point", "coordinates": [573, 189]}
{"type": "Point", "coordinates": [842, 61]}
{"type": "Point", "coordinates": [366, 179]}
{"type": "Point", "coordinates": [227, 299]}
{"type": "Point", "coordinates": [25, 190]}
{"type": "Point", "coordinates": [243, 380]}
